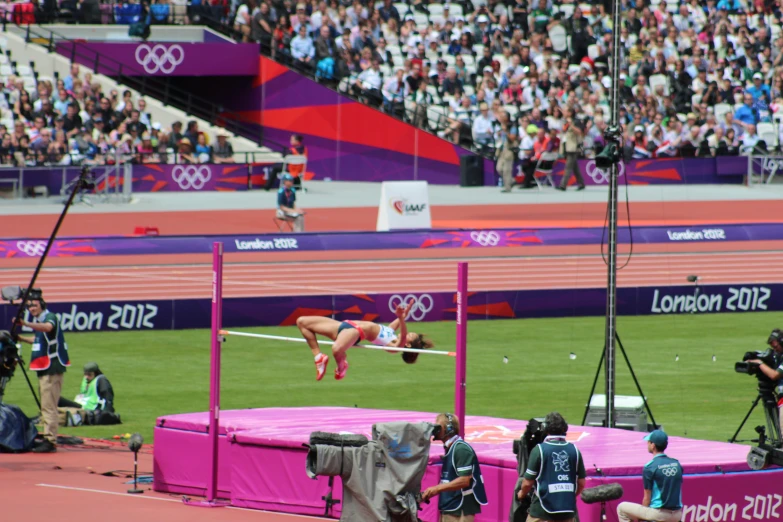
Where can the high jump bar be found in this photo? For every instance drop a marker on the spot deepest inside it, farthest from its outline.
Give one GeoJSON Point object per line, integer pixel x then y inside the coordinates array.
{"type": "Point", "coordinates": [367, 346]}
{"type": "Point", "coordinates": [460, 380]}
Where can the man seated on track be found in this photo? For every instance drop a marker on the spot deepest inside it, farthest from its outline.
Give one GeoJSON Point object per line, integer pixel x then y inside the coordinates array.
{"type": "Point", "coordinates": [350, 333]}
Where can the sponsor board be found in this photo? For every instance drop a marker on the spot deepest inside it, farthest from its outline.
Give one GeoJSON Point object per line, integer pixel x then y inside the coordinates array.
{"type": "Point", "coordinates": [399, 239]}
{"type": "Point", "coordinates": [433, 306]}
{"type": "Point", "coordinates": [717, 497]}
{"type": "Point", "coordinates": [709, 299]}
{"type": "Point", "coordinates": [277, 243]}
{"type": "Point", "coordinates": [99, 316]}
{"type": "Point", "coordinates": [705, 234]}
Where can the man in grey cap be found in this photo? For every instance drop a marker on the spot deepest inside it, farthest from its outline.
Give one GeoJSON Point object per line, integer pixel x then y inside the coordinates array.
{"type": "Point", "coordinates": [96, 392]}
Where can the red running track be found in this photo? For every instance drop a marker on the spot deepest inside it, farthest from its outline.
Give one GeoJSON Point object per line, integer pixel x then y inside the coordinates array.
{"type": "Point", "coordinates": [400, 275]}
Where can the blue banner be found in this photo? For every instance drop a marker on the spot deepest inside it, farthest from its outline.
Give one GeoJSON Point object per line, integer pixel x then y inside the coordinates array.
{"type": "Point", "coordinates": [434, 306]}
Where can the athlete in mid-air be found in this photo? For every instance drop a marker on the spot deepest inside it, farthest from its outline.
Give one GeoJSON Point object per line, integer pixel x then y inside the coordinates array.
{"type": "Point", "coordinates": [350, 333]}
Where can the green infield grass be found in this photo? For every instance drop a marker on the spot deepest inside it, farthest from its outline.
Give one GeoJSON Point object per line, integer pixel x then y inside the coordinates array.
{"type": "Point", "coordinates": [685, 364]}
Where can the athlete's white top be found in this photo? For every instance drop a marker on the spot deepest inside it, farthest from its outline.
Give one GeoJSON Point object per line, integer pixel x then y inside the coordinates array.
{"type": "Point", "coordinates": [385, 337]}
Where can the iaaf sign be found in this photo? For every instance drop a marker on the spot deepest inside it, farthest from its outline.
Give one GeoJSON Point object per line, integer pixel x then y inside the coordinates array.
{"type": "Point", "coordinates": [404, 208]}
{"type": "Point", "coordinates": [404, 205]}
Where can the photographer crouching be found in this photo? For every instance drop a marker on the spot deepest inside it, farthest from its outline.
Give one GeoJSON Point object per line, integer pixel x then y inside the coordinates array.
{"type": "Point", "coordinates": [774, 373]}
{"type": "Point", "coordinates": [461, 489]}
{"type": "Point", "coordinates": [49, 360]}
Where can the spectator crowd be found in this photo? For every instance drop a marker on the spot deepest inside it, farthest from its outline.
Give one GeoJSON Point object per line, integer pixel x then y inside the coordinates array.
{"type": "Point", "coordinates": [71, 121]}
{"type": "Point", "coordinates": [698, 77]}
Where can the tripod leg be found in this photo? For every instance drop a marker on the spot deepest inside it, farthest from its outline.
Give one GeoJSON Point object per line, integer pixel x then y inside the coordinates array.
{"type": "Point", "coordinates": [635, 380]}
{"type": "Point", "coordinates": [30, 384]}
{"type": "Point", "coordinates": [773, 423]}
{"type": "Point", "coordinates": [747, 416]}
{"type": "Point", "coordinates": [595, 383]}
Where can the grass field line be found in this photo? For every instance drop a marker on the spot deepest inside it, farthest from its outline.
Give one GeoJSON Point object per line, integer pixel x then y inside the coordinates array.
{"type": "Point", "coordinates": [705, 255]}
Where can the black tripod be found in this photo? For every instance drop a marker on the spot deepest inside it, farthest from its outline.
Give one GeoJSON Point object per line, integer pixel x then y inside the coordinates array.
{"type": "Point", "coordinates": [633, 376]}
{"type": "Point", "coordinates": [771, 416]}
{"type": "Point", "coordinates": [84, 182]}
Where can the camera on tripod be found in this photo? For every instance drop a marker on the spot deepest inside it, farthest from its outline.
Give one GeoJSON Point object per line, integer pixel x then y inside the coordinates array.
{"type": "Point", "coordinates": [768, 357]}
{"type": "Point", "coordinates": [9, 355]}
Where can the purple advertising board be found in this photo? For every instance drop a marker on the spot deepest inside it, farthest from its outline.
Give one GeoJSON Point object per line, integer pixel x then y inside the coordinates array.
{"type": "Point", "coordinates": [164, 58]}
{"type": "Point", "coordinates": [434, 306]}
{"type": "Point", "coordinates": [154, 177]}
{"type": "Point", "coordinates": [670, 171]}
{"type": "Point", "coordinates": [426, 239]}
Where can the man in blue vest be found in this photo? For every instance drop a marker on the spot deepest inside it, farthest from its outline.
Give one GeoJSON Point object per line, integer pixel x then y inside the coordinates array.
{"type": "Point", "coordinates": [286, 204]}
{"type": "Point", "coordinates": [557, 471]}
{"type": "Point", "coordinates": [49, 359]}
{"type": "Point", "coordinates": [461, 487]}
{"type": "Point", "coordinates": [662, 478]}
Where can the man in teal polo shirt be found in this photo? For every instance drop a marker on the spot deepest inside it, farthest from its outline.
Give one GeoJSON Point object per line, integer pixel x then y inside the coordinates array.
{"type": "Point", "coordinates": [557, 471]}
{"type": "Point", "coordinates": [662, 480]}
{"type": "Point", "coordinates": [461, 489]}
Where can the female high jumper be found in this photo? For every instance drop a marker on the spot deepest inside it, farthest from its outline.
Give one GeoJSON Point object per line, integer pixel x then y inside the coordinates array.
{"type": "Point", "coordinates": [350, 333]}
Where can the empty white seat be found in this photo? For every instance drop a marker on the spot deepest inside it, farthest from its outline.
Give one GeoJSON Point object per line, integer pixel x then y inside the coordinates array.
{"type": "Point", "coordinates": [658, 80]}
{"type": "Point", "coordinates": [421, 19]}
{"type": "Point", "coordinates": [721, 109]}
{"type": "Point", "coordinates": [23, 70]}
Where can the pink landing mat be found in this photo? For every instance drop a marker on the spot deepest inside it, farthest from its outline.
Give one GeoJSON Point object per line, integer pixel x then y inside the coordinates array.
{"type": "Point", "coordinates": [262, 462]}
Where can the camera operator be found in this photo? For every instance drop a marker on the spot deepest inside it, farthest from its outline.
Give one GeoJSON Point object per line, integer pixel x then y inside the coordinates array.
{"type": "Point", "coordinates": [49, 359]}
{"type": "Point", "coordinates": [557, 471]}
{"type": "Point", "coordinates": [775, 341]}
{"type": "Point", "coordinates": [461, 487]}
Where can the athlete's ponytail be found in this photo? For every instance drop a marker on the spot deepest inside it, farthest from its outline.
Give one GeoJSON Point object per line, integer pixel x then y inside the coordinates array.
{"type": "Point", "coordinates": [420, 343]}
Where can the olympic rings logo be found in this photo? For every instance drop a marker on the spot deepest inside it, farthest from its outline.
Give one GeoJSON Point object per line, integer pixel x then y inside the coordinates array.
{"type": "Point", "coordinates": [191, 176]}
{"type": "Point", "coordinates": [421, 305]}
{"type": "Point", "coordinates": [485, 238]}
{"type": "Point", "coordinates": [669, 472]}
{"type": "Point", "coordinates": [32, 248]}
{"type": "Point", "coordinates": [601, 176]}
{"type": "Point", "coordinates": [158, 58]}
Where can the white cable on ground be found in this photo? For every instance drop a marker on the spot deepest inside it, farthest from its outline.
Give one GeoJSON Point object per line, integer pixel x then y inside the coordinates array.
{"type": "Point", "coordinates": [367, 346]}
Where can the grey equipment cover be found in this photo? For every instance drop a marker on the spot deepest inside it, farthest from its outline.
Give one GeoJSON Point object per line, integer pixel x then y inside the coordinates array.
{"type": "Point", "coordinates": [381, 478]}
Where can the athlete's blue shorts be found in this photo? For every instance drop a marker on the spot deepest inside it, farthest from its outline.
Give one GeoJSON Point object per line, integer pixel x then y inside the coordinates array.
{"type": "Point", "coordinates": [345, 325]}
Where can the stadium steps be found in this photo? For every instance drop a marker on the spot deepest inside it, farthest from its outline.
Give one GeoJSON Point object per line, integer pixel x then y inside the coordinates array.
{"type": "Point", "coordinates": [43, 66]}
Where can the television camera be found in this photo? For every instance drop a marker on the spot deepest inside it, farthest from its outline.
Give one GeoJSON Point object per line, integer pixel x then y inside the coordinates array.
{"type": "Point", "coordinates": [767, 393]}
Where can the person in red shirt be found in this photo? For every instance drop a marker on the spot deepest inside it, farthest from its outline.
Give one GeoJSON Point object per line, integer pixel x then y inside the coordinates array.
{"type": "Point", "coordinates": [513, 93]}
{"type": "Point", "coordinates": [296, 148]}
{"type": "Point", "coordinates": [541, 144]}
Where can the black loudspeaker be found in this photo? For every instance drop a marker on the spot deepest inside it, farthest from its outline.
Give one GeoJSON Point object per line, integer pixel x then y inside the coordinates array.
{"type": "Point", "coordinates": [471, 171]}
